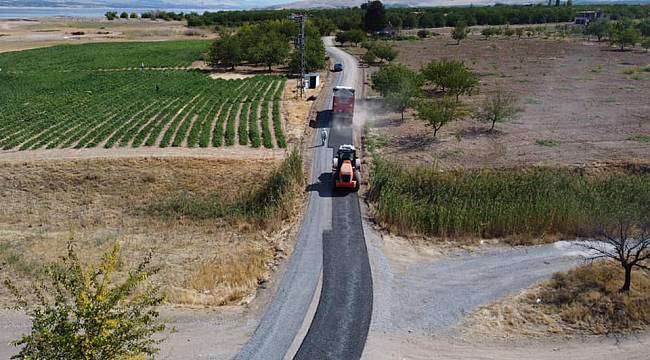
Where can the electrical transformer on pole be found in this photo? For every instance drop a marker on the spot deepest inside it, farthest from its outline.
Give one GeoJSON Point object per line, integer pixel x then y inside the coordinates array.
{"type": "Point", "coordinates": [300, 43]}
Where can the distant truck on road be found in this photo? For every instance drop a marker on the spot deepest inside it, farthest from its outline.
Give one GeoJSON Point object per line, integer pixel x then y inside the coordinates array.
{"type": "Point", "coordinates": [343, 105]}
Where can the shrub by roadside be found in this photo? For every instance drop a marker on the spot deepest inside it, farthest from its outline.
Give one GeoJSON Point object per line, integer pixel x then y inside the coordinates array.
{"type": "Point", "coordinates": [271, 201]}
{"type": "Point", "coordinates": [585, 300]}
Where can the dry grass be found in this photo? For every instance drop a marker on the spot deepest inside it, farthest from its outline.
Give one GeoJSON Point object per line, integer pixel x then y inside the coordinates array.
{"type": "Point", "coordinates": [585, 300]}
{"type": "Point", "coordinates": [94, 203]}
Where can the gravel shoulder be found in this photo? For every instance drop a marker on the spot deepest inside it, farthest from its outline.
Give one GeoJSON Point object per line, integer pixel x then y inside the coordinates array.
{"type": "Point", "coordinates": [423, 294]}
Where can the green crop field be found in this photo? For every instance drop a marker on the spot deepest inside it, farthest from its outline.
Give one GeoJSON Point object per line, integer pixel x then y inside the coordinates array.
{"type": "Point", "coordinates": [92, 95]}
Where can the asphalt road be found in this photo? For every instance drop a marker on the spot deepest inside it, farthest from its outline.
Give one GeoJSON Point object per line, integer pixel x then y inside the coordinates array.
{"type": "Point", "coordinates": [342, 319]}
{"type": "Point", "coordinates": [330, 241]}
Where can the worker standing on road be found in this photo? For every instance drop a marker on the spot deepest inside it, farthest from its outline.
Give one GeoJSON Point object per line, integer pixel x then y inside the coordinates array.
{"type": "Point", "coordinates": [323, 136]}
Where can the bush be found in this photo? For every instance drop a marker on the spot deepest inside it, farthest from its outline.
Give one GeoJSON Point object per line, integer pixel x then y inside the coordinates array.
{"type": "Point", "coordinates": [587, 298]}
{"type": "Point", "coordinates": [110, 15]}
{"type": "Point", "coordinates": [124, 15]}
{"type": "Point", "coordinates": [369, 57]}
{"type": "Point", "coordinates": [460, 32]}
{"type": "Point", "coordinates": [385, 52]}
{"type": "Point", "coordinates": [85, 314]}
{"type": "Point", "coordinates": [423, 33]}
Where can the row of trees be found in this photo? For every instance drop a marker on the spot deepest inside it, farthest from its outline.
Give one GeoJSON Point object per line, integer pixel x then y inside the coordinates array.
{"type": "Point", "coordinates": [373, 15]}
{"type": "Point", "coordinates": [112, 15]}
{"type": "Point", "coordinates": [622, 33]}
{"type": "Point", "coordinates": [153, 15]}
{"type": "Point", "coordinates": [267, 43]}
{"type": "Point", "coordinates": [435, 92]}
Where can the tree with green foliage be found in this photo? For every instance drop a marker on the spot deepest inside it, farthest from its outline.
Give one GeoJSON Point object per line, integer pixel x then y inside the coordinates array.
{"type": "Point", "coordinates": [134, 15]}
{"type": "Point", "coordinates": [397, 84]}
{"type": "Point", "coordinates": [599, 29]}
{"type": "Point", "coordinates": [439, 72]}
{"type": "Point", "coordinates": [646, 43]}
{"type": "Point", "coordinates": [226, 51]}
{"type": "Point", "coordinates": [352, 36]}
{"type": "Point", "coordinates": [438, 112]}
{"type": "Point", "coordinates": [460, 32]}
{"type": "Point", "coordinates": [644, 27]}
{"type": "Point", "coordinates": [273, 49]}
{"type": "Point", "coordinates": [86, 313]}
{"type": "Point", "coordinates": [385, 52]}
{"type": "Point", "coordinates": [627, 37]}
{"type": "Point", "coordinates": [124, 15]}
{"type": "Point", "coordinates": [374, 16]}
{"type": "Point", "coordinates": [314, 52]}
{"type": "Point", "coordinates": [325, 26]}
{"type": "Point", "coordinates": [410, 21]}
{"type": "Point", "coordinates": [498, 107]}
{"type": "Point", "coordinates": [110, 15]}
{"type": "Point", "coordinates": [460, 82]}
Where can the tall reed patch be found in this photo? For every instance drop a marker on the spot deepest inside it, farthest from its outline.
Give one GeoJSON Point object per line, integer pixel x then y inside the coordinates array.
{"type": "Point", "coordinates": [500, 203]}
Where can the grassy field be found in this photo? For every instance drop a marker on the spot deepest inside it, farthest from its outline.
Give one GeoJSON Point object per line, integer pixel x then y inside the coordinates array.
{"type": "Point", "coordinates": [532, 202]}
{"type": "Point", "coordinates": [210, 259]}
{"type": "Point", "coordinates": [95, 95]}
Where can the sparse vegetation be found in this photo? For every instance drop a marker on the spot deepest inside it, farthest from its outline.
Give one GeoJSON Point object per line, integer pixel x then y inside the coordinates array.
{"type": "Point", "coordinates": [641, 138]}
{"type": "Point", "coordinates": [547, 142]}
{"type": "Point", "coordinates": [588, 299]}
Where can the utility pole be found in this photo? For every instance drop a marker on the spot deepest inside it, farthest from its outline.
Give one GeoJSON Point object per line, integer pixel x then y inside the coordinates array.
{"type": "Point", "coordinates": [300, 43]}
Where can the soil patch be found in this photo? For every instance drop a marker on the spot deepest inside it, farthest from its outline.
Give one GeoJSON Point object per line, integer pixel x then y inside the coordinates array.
{"type": "Point", "coordinates": [581, 96]}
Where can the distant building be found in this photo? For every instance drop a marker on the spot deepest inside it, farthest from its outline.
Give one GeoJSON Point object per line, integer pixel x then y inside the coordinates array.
{"type": "Point", "coordinates": [584, 17]}
{"type": "Point", "coordinates": [388, 31]}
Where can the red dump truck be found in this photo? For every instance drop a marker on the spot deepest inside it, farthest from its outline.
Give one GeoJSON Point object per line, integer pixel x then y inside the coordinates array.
{"type": "Point", "coordinates": [343, 105]}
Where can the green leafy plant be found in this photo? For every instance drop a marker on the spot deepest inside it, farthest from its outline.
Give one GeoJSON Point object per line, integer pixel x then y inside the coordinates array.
{"type": "Point", "coordinates": [498, 107]}
{"type": "Point", "coordinates": [85, 313]}
{"type": "Point", "coordinates": [547, 142]}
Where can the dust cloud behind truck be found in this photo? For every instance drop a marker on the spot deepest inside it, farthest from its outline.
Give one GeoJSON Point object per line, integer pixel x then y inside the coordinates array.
{"type": "Point", "coordinates": [343, 105]}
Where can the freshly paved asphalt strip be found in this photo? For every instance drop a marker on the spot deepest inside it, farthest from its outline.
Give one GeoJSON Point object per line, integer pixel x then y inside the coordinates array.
{"type": "Point", "coordinates": [342, 318]}
{"type": "Point", "coordinates": [340, 326]}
